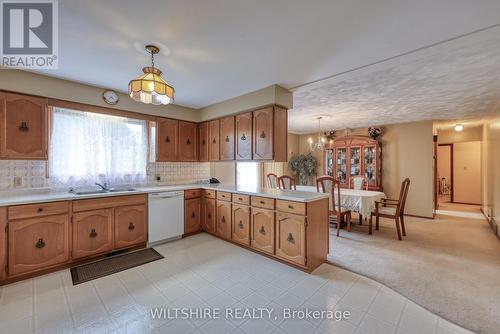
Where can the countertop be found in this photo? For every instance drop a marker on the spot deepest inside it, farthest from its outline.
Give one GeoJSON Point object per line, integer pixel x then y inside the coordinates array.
{"type": "Point", "coordinates": [28, 196]}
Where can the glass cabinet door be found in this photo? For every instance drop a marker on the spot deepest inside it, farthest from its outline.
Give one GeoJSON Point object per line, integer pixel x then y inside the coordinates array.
{"type": "Point", "coordinates": [370, 166]}
{"type": "Point", "coordinates": [329, 162]}
{"type": "Point", "coordinates": [342, 164]}
{"type": "Point", "coordinates": [355, 160]}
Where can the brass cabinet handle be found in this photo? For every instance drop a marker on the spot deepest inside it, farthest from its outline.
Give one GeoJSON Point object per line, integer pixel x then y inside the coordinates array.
{"type": "Point", "coordinates": [93, 233]}
{"type": "Point", "coordinates": [40, 243]}
{"type": "Point", "coordinates": [223, 219]}
{"type": "Point", "coordinates": [214, 141]}
{"type": "Point", "coordinates": [262, 202]}
{"type": "Point", "coordinates": [209, 215]}
{"type": "Point", "coordinates": [203, 142]}
{"type": "Point", "coordinates": [262, 230]}
{"type": "Point", "coordinates": [290, 238]}
{"type": "Point", "coordinates": [24, 126]}
{"type": "Point", "coordinates": [240, 199]}
{"type": "Point", "coordinates": [40, 209]}
{"type": "Point", "coordinates": [168, 139]}
{"type": "Point", "coordinates": [290, 206]}
{"type": "Point", "coordinates": [240, 225]}
{"type": "Point", "coordinates": [188, 142]}
{"type": "Point", "coordinates": [243, 137]}
{"type": "Point", "coordinates": [262, 134]}
{"type": "Point", "coordinates": [227, 139]}
{"type": "Point", "coordinates": [131, 226]}
{"type": "Point", "coordinates": [193, 215]}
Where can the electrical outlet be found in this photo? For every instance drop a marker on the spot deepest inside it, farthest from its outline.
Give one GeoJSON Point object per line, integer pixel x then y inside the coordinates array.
{"type": "Point", "coordinates": [18, 181]}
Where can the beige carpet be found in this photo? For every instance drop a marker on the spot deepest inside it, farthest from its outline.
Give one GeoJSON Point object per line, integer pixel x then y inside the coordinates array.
{"type": "Point", "coordinates": [449, 265]}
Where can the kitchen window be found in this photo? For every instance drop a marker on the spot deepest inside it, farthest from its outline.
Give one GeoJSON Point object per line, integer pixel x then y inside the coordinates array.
{"type": "Point", "coordinates": [90, 147]}
{"type": "Point", "coordinates": [248, 174]}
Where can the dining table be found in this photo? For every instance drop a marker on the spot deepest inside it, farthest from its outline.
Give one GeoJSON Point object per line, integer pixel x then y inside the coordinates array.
{"type": "Point", "coordinates": [359, 201]}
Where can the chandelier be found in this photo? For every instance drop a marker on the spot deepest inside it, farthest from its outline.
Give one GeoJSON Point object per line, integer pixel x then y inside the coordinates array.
{"type": "Point", "coordinates": [150, 87]}
{"type": "Point", "coordinates": [319, 145]}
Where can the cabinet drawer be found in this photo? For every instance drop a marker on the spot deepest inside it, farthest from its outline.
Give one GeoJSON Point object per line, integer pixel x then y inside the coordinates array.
{"type": "Point", "coordinates": [130, 226]}
{"type": "Point", "coordinates": [37, 210]}
{"type": "Point", "coordinates": [223, 196]}
{"type": "Point", "coordinates": [38, 243]}
{"type": "Point", "coordinates": [92, 232]}
{"type": "Point", "coordinates": [263, 202]}
{"type": "Point", "coordinates": [291, 238]}
{"type": "Point", "coordinates": [241, 199]}
{"type": "Point", "coordinates": [108, 202]}
{"type": "Point", "coordinates": [193, 193]}
{"type": "Point", "coordinates": [209, 193]}
{"type": "Point", "coordinates": [298, 208]}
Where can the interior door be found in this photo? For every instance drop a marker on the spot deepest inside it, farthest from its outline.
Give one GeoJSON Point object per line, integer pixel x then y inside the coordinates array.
{"type": "Point", "coordinates": [167, 143]}
{"type": "Point", "coordinates": [227, 138]}
{"type": "Point", "coordinates": [188, 141]}
{"type": "Point", "coordinates": [244, 136]}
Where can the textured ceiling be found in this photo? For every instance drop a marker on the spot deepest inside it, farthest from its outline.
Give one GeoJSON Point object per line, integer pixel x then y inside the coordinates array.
{"type": "Point", "coordinates": [456, 80]}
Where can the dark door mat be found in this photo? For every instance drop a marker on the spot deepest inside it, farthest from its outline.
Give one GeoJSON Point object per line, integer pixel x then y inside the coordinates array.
{"type": "Point", "coordinates": [115, 264]}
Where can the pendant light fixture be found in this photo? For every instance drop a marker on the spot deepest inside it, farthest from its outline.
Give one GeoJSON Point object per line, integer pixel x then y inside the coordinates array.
{"type": "Point", "coordinates": [150, 87]}
{"type": "Point", "coordinates": [319, 145]}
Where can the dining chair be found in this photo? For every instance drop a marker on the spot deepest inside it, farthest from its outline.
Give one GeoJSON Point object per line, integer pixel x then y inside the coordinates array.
{"type": "Point", "coordinates": [358, 183]}
{"type": "Point", "coordinates": [287, 182]}
{"type": "Point", "coordinates": [272, 180]}
{"type": "Point", "coordinates": [393, 209]}
{"type": "Point", "coordinates": [328, 184]}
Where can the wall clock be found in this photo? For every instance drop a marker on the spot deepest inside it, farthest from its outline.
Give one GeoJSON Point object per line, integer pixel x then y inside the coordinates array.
{"type": "Point", "coordinates": [110, 97]}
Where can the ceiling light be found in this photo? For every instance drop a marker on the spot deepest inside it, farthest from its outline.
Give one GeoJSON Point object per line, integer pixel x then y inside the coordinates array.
{"type": "Point", "coordinates": [150, 87]}
{"type": "Point", "coordinates": [320, 144]}
{"type": "Point", "coordinates": [459, 127]}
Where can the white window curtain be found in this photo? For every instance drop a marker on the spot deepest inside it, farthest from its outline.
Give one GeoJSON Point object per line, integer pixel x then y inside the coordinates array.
{"type": "Point", "coordinates": [247, 174]}
{"type": "Point", "coordinates": [90, 147]}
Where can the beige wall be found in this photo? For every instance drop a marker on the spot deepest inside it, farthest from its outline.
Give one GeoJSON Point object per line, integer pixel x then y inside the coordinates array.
{"type": "Point", "coordinates": [491, 166]}
{"type": "Point", "coordinates": [467, 134]}
{"type": "Point", "coordinates": [467, 172]}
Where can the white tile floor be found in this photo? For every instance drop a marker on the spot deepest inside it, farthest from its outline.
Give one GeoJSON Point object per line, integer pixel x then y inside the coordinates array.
{"type": "Point", "coordinates": [202, 271]}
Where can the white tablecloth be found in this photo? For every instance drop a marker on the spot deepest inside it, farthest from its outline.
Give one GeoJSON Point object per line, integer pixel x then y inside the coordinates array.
{"type": "Point", "coordinates": [360, 201]}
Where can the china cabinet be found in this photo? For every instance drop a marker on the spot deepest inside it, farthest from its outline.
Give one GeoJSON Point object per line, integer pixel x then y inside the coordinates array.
{"type": "Point", "coordinates": [351, 156]}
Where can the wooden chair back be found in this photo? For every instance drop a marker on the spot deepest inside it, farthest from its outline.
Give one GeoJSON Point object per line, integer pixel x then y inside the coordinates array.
{"type": "Point", "coordinates": [403, 194]}
{"type": "Point", "coordinates": [287, 182]}
{"type": "Point", "coordinates": [327, 184]}
{"type": "Point", "coordinates": [358, 183]}
{"type": "Point", "coordinates": [272, 180]}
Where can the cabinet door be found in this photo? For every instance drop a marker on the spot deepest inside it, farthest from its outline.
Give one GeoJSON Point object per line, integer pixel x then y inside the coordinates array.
{"type": "Point", "coordinates": [241, 224]}
{"type": "Point", "coordinates": [209, 215]}
{"type": "Point", "coordinates": [23, 127]}
{"type": "Point", "coordinates": [3, 242]}
{"type": "Point", "coordinates": [167, 146]}
{"type": "Point", "coordinates": [38, 243]}
{"type": "Point", "coordinates": [188, 142]}
{"type": "Point", "coordinates": [291, 238]}
{"type": "Point", "coordinates": [227, 138]}
{"type": "Point", "coordinates": [263, 134]}
{"type": "Point", "coordinates": [130, 226]}
{"type": "Point", "coordinates": [92, 232]}
{"type": "Point", "coordinates": [192, 215]}
{"type": "Point", "coordinates": [262, 230]}
{"type": "Point", "coordinates": [213, 137]}
{"type": "Point", "coordinates": [203, 141]}
{"type": "Point", "coordinates": [223, 228]}
{"type": "Point", "coordinates": [244, 136]}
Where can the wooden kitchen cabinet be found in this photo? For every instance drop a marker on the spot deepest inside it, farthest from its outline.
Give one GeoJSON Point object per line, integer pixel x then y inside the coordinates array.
{"type": "Point", "coordinates": [167, 146]}
{"type": "Point", "coordinates": [130, 226]}
{"type": "Point", "coordinates": [213, 137]}
{"type": "Point", "coordinates": [3, 242]}
{"type": "Point", "coordinates": [262, 230]}
{"type": "Point", "coordinates": [270, 134]}
{"type": "Point", "coordinates": [223, 226]}
{"type": "Point", "coordinates": [244, 136]}
{"type": "Point", "coordinates": [92, 232]}
{"type": "Point", "coordinates": [203, 141]}
{"type": "Point", "coordinates": [291, 238]}
{"type": "Point", "coordinates": [227, 138]}
{"type": "Point", "coordinates": [241, 224]}
{"type": "Point", "coordinates": [37, 243]}
{"type": "Point", "coordinates": [192, 215]}
{"type": "Point", "coordinates": [188, 141]}
{"type": "Point", "coordinates": [23, 127]}
{"type": "Point", "coordinates": [209, 215]}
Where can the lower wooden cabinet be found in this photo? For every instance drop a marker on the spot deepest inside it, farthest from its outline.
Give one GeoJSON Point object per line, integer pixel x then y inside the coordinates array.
{"type": "Point", "coordinates": [92, 232]}
{"type": "Point", "coordinates": [223, 226]}
{"type": "Point", "coordinates": [192, 215]}
{"type": "Point", "coordinates": [262, 230]}
{"type": "Point", "coordinates": [291, 238]}
{"type": "Point", "coordinates": [130, 226]}
{"type": "Point", "coordinates": [241, 224]}
{"type": "Point", "coordinates": [38, 243]}
{"type": "Point", "coordinates": [209, 216]}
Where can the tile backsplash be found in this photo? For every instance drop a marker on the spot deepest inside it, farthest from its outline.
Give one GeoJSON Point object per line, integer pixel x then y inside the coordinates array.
{"type": "Point", "coordinates": [32, 173]}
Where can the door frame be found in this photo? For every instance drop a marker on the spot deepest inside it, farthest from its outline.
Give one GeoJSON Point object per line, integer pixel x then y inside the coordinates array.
{"type": "Point", "coordinates": [451, 173]}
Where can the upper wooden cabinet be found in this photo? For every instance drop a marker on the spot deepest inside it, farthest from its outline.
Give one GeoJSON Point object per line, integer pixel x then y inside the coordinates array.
{"type": "Point", "coordinates": [244, 136]}
{"type": "Point", "coordinates": [270, 132]}
{"type": "Point", "coordinates": [188, 141]}
{"type": "Point", "coordinates": [23, 122]}
{"type": "Point", "coordinates": [227, 138]}
{"type": "Point", "coordinates": [203, 141]}
{"type": "Point", "coordinates": [167, 148]}
{"type": "Point", "coordinates": [213, 137]}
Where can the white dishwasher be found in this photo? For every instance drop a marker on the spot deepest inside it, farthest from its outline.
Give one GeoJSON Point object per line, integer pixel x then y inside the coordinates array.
{"type": "Point", "coordinates": [165, 216]}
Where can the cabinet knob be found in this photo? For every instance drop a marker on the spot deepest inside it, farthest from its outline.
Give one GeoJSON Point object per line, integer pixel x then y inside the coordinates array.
{"type": "Point", "coordinates": [167, 139]}
{"type": "Point", "coordinates": [40, 209]}
{"type": "Point", "coordinates": [209, 215]}
{"type": "Point", "coordinates": [262, 202]}
{"type": "Point", "coordinates": [227, 139]}
{"type": "Point", "coordinates": [262, 230]}
{"type": "Point", "coordinates": [203, 142]}
{"type": "Point", "coordinates": [188, 141]}
{"type": "Point", "coordinates": [290, 206]}
{"type": "Point", "coordinates": [223, 219]}
{"type": "Point", "coordinates": [290, 238]}
{"type": "Point", "coordinates": [214, 141]}
{"type": "Point", "coordinates": [240, 225]}
{"type": "Point", "coordinates": [131, 226]}
{"type": "Point", "coordinates": [40, 243]}
{"type": "Point", "coordinates": [193, 215]}
{"type": "Point", "coordinates": [262, 134]}
{"type": "Point", "coordinates": [243, 137]}
{"type": "Point", "coordinates": [93, 233]}
{"type": "Point", "coordinates": [24, 126]}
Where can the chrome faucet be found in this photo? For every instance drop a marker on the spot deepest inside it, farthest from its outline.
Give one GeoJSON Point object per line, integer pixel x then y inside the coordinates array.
{"type": "Point", "coordinates": [102, 186]}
